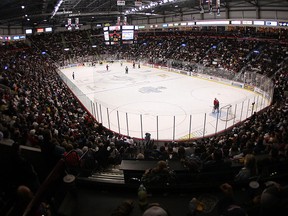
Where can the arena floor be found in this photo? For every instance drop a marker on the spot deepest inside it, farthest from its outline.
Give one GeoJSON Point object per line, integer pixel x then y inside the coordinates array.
{"type": "Point", "coordinates": [168, 105]}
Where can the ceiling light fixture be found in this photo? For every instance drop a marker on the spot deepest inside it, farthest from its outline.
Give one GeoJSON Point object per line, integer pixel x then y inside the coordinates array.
{"type": "Point", "coordinates": [56, 8]}
{"type": "Point", "coordinates": [150, 5]}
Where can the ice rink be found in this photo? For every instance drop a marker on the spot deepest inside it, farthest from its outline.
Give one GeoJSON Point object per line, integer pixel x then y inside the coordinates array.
{"type": "Point", "coordinates": [168, 105]}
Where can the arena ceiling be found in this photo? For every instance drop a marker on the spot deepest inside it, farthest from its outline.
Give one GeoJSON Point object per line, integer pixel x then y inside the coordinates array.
{"type": "Point", "coordinates": [37, 12]}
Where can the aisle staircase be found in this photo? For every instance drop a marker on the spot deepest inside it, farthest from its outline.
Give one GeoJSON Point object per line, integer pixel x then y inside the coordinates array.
{"type": "Point", "coordinates": [111, 175]}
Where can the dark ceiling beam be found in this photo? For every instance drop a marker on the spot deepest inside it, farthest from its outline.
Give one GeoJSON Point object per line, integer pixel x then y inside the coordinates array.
{"type": "Point", "coordinates": [78, 2]}
{"type": "Point", "coordinates": [95, 14]}
{"type": "Point", "coordinates": [273, 3]}
{"type": "Point", "coordinates": [44, 6]}
{"type": "Point", "coordinates": [105, 3]}
{"type": "Point", "coordinates": [254, 3]}
{"type": "Point", "coordinates": [91, 3]}
{"type": "Point", "coordinates": [21, 17]}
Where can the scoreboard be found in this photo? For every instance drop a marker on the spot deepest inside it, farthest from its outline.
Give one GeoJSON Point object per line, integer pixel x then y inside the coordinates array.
{"type": "Point", "coordinates": [114, 34]}
{"type": "Point", "coordinates": [126, 34]}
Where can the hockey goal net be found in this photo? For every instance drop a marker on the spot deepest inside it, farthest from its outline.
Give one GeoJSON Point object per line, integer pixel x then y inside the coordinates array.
{"type": "Point", "coordinates": [226, 113]}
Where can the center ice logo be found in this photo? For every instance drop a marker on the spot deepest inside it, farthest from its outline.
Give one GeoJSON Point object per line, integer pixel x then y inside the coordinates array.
{"type": "Point", "coordinates": [150, 89]}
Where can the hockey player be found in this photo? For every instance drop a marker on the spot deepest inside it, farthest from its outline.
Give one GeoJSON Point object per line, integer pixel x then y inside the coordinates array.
{"type": "Point", "coordinates": [126, 70]}
{"type": "Point", "coordinates": [215, 105]}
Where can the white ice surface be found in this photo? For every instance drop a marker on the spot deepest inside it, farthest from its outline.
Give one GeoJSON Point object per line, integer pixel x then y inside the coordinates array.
{"type": "Point", "coordinates": [166, 104]}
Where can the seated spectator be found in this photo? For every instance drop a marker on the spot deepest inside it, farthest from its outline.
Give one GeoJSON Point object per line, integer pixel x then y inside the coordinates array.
{"type": "Point", "coordinates": [114, 157]}
{"type": "Point", "coordinates": [217, 162]}
{"type": "Point", "coordinates": [248, 171]}
{"type": "Point", "coordinates": [181, 153]}
{"type": "Point", "coordinates": [72, 159]}
{"type": "Point", "coordinates": [163, 153]}
{"type": "Point", "coordinates": [24, 197]}
{"type": "Point", "coordinates": [194, 164]}
{"type": "Point", "coordinates": [155, 209]}
{"type": "Point", "coordinates": [101, 155]}
{"type": "Point", "coordinates": [273, 163]}
{"type": "Point", "coordinates": [5, 137]}
{"type": "Point", "coordinates": [154, 153]}
{"type": "Point", "coordinates": [190, 150]}
{"type": "Point", "coordinates": [172, 155]}
{"type": "Point", "coordinates": [160, 175]}
{"type": "Point", "coordinates": [140, 156]}
{"type": "Point", "coordinates": [124, 209]}
{"type": "Point", "coordinates": [234, 150]}
{"type": "Point", "coordinates": [88, 161]}
{"type": "Point", "coordinates": [228, 205]}
{"type": "Point", "coordinates": [19, 171]}
{"type": "Point", "coordinates": [274, 200]}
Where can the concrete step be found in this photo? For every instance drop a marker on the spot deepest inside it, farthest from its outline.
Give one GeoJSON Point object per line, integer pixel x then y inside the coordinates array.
{"type": "Point", "coordinates": [107, 180]}
{"type": "Point", "coordinates": [109, 176]}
